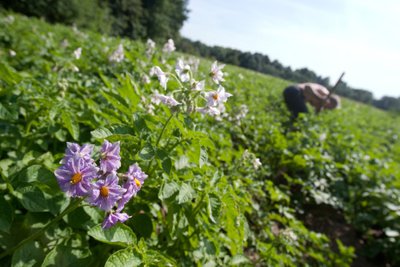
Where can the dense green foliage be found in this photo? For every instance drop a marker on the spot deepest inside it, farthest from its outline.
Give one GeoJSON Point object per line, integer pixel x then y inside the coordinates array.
{"type": "Point", "coordinates": [262, 63]}
{"type": "Point", "coordinates": [136, 19]}
{"type": "Point", "coordinates": [204, 203]}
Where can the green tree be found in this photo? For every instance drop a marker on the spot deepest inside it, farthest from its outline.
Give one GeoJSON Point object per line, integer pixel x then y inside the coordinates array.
{"type": "Point", "coordinates": [128, 18]}
{"type": "Point", "coordinates": [89, 14]}
{"type": "Point", "coordinates": [164, 18]}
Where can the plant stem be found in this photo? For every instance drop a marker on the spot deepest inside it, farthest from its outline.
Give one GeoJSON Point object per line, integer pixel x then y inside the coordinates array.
{"type": "Point", "coordinates": [159, 139]}
{"type": "Point", "coordinates": [177, 79]}
{"type": "Point", "coordinates": [72, 206]}
{"type": "Point", "coordinates": [163, 129]}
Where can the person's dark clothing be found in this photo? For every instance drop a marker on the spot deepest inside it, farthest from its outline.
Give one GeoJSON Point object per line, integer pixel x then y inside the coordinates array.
{"type": "Point", "coordinates": [295, 101]}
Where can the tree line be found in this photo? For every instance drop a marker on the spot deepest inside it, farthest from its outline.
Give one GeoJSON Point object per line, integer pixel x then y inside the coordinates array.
{"type": "Point", "coordinates": [136, 19]}
{"type": "Point", "coordinates": [262, 63]}
{"type": "Point", "coordinates": [163, 19]}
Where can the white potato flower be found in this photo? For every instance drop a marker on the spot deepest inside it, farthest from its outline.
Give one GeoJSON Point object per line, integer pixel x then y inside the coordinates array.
{"type": "Point", "coordinates": [169, 46]}
{"type": "Point", "coordinates": [167, 100]}
{"type": "Point", "coordinates": [216, 72]}
{"type": "Point", "coordinates": [213, 111]}
{"type": "Point", "coordinates": [77, 53]}
{"type": "Point", "coordinates": [197, 86]}
{"type": "Point", "coordinates": [215, 98]}
{"type": "Point", "coordinates": [162, 76]}
{"type": "Point", "coordinates": [117, 55]}
{"type": "Point", "coordinates": [182, 70]}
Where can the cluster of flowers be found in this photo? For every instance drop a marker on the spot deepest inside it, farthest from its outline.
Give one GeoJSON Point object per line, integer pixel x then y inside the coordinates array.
{"type": "Point", "coordinates": [190, 89]}
{"type": "Point", "coordinates": [214, 99]}
{"type": "Point", "coordinates": [239, 114]}
{"type": "Point", "coordinates": [117, 55]}
{"type": "Point", "coordinates": [250, 157]}
{"type": "Point", "coordinates": [77, 53]}
{"type": "Point", "coordinates": [168, 47]}
{"type": "Point", "coordinates": [79, 176]}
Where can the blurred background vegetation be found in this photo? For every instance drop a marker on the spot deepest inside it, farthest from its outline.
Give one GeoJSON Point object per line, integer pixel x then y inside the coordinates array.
{"type": "Point", "coordinates": [163, 19]}
{"type": "Point", "coordinates": [136, 19]}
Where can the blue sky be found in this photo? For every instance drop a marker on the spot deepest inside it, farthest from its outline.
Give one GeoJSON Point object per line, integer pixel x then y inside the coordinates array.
{"type": "Point", "coordinates": [360, 37]}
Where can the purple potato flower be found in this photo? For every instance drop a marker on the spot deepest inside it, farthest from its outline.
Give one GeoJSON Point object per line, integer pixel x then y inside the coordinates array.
{"type": "Point", "coordinates": [74, 177]}
{"type": "Point", "coordinates": [106, 192]}
{"type": "Point", "coordinates": [135, 179]}
{"type": "Point", "coordinates": [113, 218]}
{"type": "Point", "coordinates": [79, 152]}
{"type": "Point", "coordinates": [78, 176]}
{"type": "Point", "coordinates": [110, 159]}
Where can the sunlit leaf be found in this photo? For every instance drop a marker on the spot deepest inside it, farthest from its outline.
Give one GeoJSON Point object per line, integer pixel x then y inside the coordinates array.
{"type": "Point", "coordinates": [119, 234]}
{"type": "Point", "coordinates": [123, 257]}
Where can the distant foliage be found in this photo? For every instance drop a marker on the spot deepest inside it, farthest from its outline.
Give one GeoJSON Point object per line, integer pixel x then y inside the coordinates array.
{"type": "Point", "coordinates": [136, 19]}
{"type": "Point", "coordinates": [91, 14]}
{"type": "Point", "coordinates": [262, 63]}
{"type": "Point", "coordinates": [388, 103]}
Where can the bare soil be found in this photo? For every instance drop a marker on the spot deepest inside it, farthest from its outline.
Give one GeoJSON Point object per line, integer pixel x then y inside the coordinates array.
{"type": "Point", "coordinates": [329, 221]}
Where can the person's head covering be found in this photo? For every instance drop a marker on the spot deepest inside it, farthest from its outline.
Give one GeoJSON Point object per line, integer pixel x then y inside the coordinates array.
{"type": "Point", "coordinates": [334, 102]}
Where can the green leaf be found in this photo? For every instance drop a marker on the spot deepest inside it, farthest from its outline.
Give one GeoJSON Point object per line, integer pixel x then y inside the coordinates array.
{"type": "Point", "coordinates": [94, 213]}
{"type": "Point", "coordinates": [119, 234]}
{"type": "Point", "coordinates": [7, 215]}
{"type": "Point", "coordinates": [127, 92]}
{"type": "Point", "coordinates": [140, 124]}
{"type": "Point", "coordinates": [147, 152]}
{"type": "Point", "coordinates": [61, 135]}
{"type": "Point", "coordinates": [186, 193]}
{"type": "Point", "coordinates": [70, 124]}
{"type": "Point", "coordinates": [203, 158]}
{"type": "Point", "coordinates": [105, 80]}
{"type": "Point", "coordinates": [167, 165]}
{"type": "Point", "coordinates": [182, 162]}
{"type": "Point", "coordinates": [213, 207]}
{"type": "Point", "coordinates": [30, 254]}
{"type": "Point", "coordinates": [215, 179]}
{"type": "Point", "coordinates": [9, 75]}
{"type": "Point", "coordinates": [5, 165]}
{"type": "Point", "coordinates": [117, 129]}
{"type": "Point", "coordinates": [142, 225]}
{"type": "Point", "coordinates": [101, 133]}
{"type": "Point", "coordinates": [117, 102]}
{"type": "Point", "coordinates": [37, 173]}
{"type": "Point", "coordinates": [156, 258]}
{"type": "Point", "coordinates": [239, 260]}
{"type": "Point", "coordinates": [57, 203]}
{"type": "Point", "coordinates": [198, 155]}
{"type": "Point", "coordinates": [67, 256]}
{"type": "Point", "coordinates": [80, 219]}
{"type": "Point", "coordinates": [167, 189]}
{"type": "Point", "coordinates": [48, 179]}
{"type": "Point", "coordinates": [5, 114]}
{"type": "Point", "coordinates": [32, 198]}
{"type": "Point", "coordinates": [123, 257]}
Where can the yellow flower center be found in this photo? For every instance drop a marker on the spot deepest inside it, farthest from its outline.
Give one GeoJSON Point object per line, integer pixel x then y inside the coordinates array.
{"type": "Point", "coordinates": [137, 182]}
{"type": "Point", "coordinates": [104, 191]}
{"type": "Point", "coordinates": [76, 178]}
{"type": "Point", "coordinates": [215, 96]}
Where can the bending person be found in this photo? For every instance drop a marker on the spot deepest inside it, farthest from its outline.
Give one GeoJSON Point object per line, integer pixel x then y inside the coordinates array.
{"type": "Point", "coordinates": [296, 97]}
